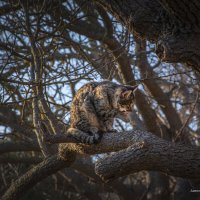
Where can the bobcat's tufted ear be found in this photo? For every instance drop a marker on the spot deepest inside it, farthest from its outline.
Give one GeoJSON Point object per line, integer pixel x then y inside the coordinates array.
{"type": "Point", "coordinates": [130, 92]}
{"type": "Point", "coordinates": [133, 88]}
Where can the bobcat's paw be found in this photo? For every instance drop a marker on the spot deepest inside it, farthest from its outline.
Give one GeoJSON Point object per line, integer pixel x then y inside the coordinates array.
{"type": "Point", "coordinates": [97, 137]}
{"type": "Point", "coordinates": [94, 130]}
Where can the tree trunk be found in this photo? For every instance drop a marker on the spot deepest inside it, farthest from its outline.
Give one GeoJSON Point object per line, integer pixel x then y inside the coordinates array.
{"type": "Point", "coordinates": [172, 25]}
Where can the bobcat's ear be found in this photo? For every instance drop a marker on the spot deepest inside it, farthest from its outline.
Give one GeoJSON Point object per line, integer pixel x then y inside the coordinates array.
{"type": "Point", "coordinates": [133, 88]}
{"type": "Point", "coordinates": [128, 94]}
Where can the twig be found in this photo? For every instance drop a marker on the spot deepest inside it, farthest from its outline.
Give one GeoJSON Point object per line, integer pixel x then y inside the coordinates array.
{"type": "Point", "coordinates": [187, 120]}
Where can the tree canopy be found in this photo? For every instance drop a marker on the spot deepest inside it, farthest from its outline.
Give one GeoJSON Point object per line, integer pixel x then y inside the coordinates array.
{"type": "Point", "coordinates": [172, 25]}
{"type": "Point", "coordinates": [49, 49]}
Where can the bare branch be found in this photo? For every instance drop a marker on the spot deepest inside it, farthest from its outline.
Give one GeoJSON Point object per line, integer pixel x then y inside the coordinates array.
{"type": "Point", "coordinates": [49, 166]}
{"type": "Point", "coordinates": [18, 146]}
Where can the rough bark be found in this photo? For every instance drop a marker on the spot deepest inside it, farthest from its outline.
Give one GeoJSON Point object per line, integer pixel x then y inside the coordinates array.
{"type": "Point", "coordinates": [145, 152]}
{"type": "Point", "coordinates": [173, 25]}
{"type": "Point", "coordinates": [149, 152]}
{"type": "Point", "coordinates": [140, 150]}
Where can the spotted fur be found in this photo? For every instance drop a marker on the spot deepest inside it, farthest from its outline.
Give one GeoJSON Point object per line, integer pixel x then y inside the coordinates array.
{"type": "Point", "coordinates": [94, 108]}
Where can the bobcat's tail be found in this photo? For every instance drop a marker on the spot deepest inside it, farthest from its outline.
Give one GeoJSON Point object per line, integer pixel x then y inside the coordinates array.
{"type": "Point", "coordinates": [84, 137]}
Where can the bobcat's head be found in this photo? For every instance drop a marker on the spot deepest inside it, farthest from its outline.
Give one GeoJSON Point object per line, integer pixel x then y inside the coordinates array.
{"type": "Point", "coordinates": [124, 98]}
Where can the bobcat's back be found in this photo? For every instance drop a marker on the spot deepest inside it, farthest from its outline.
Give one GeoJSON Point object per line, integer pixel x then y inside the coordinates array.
{"type": "Point", "coordinates": [94, 107]}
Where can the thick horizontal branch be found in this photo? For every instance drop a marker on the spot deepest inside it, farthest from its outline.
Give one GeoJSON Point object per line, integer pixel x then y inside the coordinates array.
{"type": "Point", "coordinates": [151, 153]}
{"type": "Point", "coordinates": [59, 138]}
{"type": "Point", "coordinates": [141, 151]}
{"type": "Point", "coordinates": [7, 147]}
{"type": "Point", "coordinates": [18, 146]}
{"type": "Point", "coordinates": [110, 142]}
{"type": "Point", "coordinates": [145, 152]}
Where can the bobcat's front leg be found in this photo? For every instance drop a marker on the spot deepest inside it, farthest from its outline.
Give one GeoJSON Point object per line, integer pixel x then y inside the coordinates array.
{"type": "Point", "coordinates": [96, 126]}
{"type": "Point", "coordinates": [109, 126]}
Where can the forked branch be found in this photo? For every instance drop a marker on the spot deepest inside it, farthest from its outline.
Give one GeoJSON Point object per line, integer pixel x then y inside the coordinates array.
{"type": "Point", "coordinates": [135, 150]}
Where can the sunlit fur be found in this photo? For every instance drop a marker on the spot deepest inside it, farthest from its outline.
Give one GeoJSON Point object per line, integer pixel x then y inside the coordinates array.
{"type": "Point", "coordinates": [94, 108]}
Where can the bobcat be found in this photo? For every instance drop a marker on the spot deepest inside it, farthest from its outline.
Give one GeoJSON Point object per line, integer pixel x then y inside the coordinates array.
{"type": "Point", "coordinates": [94, 108]}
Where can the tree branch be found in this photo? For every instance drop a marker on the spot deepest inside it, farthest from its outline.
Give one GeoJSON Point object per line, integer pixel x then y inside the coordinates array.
{"type": "Point", "coordinates": [156, 91]}
{"type": "Point", "coordinates": [35, 175]}
{"type": "Point", "coordinates": [172, 25]}
{"type": "Point", "coordinates": [145, 152]}
{"type": "Point", "coordinates": [141, 16]}
{"type": "Point", "coordinates": [18, 146]}
{"type": "Point", "coordinates": [149, 152]}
